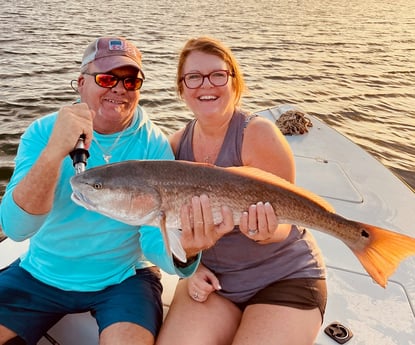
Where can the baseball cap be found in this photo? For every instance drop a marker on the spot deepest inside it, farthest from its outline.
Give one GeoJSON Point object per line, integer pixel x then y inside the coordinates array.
{"type": "Point", "coordinates": [108, 53]}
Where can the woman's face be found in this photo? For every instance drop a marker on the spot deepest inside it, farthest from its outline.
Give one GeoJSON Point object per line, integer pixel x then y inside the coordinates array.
{"type": "Point", "coordinates": [208, 100]}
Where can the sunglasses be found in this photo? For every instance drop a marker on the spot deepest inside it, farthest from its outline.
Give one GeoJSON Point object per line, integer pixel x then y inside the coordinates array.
{"type": "Point", "coordinates": [109, 81]}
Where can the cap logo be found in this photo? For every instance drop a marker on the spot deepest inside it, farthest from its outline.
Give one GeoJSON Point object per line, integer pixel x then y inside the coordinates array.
{"type": "Point", "coordinates": [116, 45]}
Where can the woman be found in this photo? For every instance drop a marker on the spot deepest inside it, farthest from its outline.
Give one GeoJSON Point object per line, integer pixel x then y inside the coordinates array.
{"type": "Point", "coordinates": [264, 282]}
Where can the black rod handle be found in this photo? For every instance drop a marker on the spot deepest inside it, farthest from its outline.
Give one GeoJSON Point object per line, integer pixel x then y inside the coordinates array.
{"type": "Point", "coordinates": [79, 155]}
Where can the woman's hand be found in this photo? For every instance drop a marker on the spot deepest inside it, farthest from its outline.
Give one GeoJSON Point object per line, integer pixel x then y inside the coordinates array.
{"type": "Point", "coordinates": [202, 283]}
{"type": "Point", "coordinates": [260, 224]}
{"type": "Point", "coordinates": [199, 231]}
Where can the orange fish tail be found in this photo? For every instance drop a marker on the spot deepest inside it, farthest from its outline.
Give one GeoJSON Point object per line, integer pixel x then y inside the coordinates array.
{"type": "Point", "coordinates": [383, 251]}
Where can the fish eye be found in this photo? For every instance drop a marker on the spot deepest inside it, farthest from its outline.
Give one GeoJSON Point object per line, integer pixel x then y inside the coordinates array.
{"type": "Point", "coordinates": [97, 185]}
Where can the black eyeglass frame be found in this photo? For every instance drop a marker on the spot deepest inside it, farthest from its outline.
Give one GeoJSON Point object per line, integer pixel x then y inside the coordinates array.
{"type": "Point", "coordinates": [118, 79]}
{"type": "Point", "coordinates": [228, 74]}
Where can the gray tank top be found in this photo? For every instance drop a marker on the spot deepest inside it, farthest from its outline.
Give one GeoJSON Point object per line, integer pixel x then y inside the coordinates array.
{"type": "Point", "coordinates": [243, 266]}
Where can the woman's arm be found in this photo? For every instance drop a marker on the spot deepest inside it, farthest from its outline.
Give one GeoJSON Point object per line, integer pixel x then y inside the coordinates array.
{"type": "Point", "coordinates": [265, 147]}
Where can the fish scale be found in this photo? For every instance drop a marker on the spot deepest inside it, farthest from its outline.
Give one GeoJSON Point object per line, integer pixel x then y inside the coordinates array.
{"type": "Point", "coordinates": [239, 192]}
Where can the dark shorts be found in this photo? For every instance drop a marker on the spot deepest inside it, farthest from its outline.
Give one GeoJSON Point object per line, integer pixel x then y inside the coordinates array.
{"type": "Point", "coordinates": [300, 293]}
{"type": "Point", "coordinates": [30, 308]}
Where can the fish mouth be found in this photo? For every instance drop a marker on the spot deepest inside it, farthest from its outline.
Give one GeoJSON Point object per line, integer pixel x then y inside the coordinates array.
{"type": "Point", "coordinates": [81, 200]}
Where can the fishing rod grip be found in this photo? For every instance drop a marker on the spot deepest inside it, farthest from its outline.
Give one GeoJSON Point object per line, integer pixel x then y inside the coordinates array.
{"type": "Point", "coordinates": [79, 155]}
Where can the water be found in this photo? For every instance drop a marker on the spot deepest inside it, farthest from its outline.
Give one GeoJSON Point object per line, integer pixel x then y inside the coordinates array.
{"type": "Point", "coordinates": [350, 63]}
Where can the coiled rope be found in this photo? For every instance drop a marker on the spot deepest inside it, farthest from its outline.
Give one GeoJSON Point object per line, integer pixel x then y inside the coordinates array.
{"type": "Point", "coordinates": [293, 122]}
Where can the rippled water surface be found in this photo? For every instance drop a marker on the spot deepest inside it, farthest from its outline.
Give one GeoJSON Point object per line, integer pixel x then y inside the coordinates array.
{"type": "Point", "coordinates": [350, 63]}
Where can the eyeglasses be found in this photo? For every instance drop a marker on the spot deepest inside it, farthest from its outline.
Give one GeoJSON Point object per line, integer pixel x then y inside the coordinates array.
{"type": "Point", "coordinates": [109, 81]}
{"type": "Point", "coordinates": [195, 80]}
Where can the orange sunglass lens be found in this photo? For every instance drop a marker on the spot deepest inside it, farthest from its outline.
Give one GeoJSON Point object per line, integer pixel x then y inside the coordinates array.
{"type": "Point", "coordinates": [106, 80]}
{"type": "Point", "coordinates": [132, 83]}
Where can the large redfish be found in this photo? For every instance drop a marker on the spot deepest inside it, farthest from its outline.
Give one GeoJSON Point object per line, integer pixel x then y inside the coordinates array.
{"type": "Point", "coordinates": [152, 192]}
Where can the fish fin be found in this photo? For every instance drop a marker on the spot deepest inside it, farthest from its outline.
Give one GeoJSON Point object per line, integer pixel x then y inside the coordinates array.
{"type": "Point", "coordinates": [162, 223]}
{"type": "Point", "coordinates": [383, 252]}
{"type": "Point", "coordinates": [171, 238]}
{"type": "Point", "coordinates": [175, 244]}
{"type": "Point", "coordinates": [275, 180]}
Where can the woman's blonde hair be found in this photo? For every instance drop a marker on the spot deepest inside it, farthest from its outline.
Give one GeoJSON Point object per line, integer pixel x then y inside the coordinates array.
{"type": "Point", "coordinates": [212, 46]}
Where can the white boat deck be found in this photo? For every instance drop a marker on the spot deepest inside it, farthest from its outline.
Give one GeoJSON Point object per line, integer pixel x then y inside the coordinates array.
{"type": "Point", "coordinates": [360, 188]}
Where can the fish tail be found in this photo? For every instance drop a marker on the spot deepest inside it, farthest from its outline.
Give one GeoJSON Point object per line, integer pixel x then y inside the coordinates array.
{"type": "Point", "coordinates": [383, 251]}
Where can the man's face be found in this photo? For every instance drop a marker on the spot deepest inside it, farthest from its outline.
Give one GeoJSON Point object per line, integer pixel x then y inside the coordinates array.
{"type": "Point", "coordinates": [114, 107]}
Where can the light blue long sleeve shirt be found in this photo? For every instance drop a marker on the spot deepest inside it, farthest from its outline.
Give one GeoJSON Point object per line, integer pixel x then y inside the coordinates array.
{"type": "Point", "coordinates": [72, 248]}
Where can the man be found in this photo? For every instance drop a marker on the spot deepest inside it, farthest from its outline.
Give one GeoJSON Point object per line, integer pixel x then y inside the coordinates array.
{"type": "Point", "coordinates": [79, 260]}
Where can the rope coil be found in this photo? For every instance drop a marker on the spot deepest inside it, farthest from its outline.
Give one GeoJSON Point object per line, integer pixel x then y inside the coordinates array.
{"type": "Point", "coordinates": [293, 122]}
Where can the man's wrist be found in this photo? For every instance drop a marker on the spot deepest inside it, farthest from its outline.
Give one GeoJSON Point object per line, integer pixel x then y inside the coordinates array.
{"type": "Point", "coordinates": [189, 261]}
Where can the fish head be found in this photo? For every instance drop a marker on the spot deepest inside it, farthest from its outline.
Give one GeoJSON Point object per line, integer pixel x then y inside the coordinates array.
{"type": "Point", "coordinates": [114, 193]}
